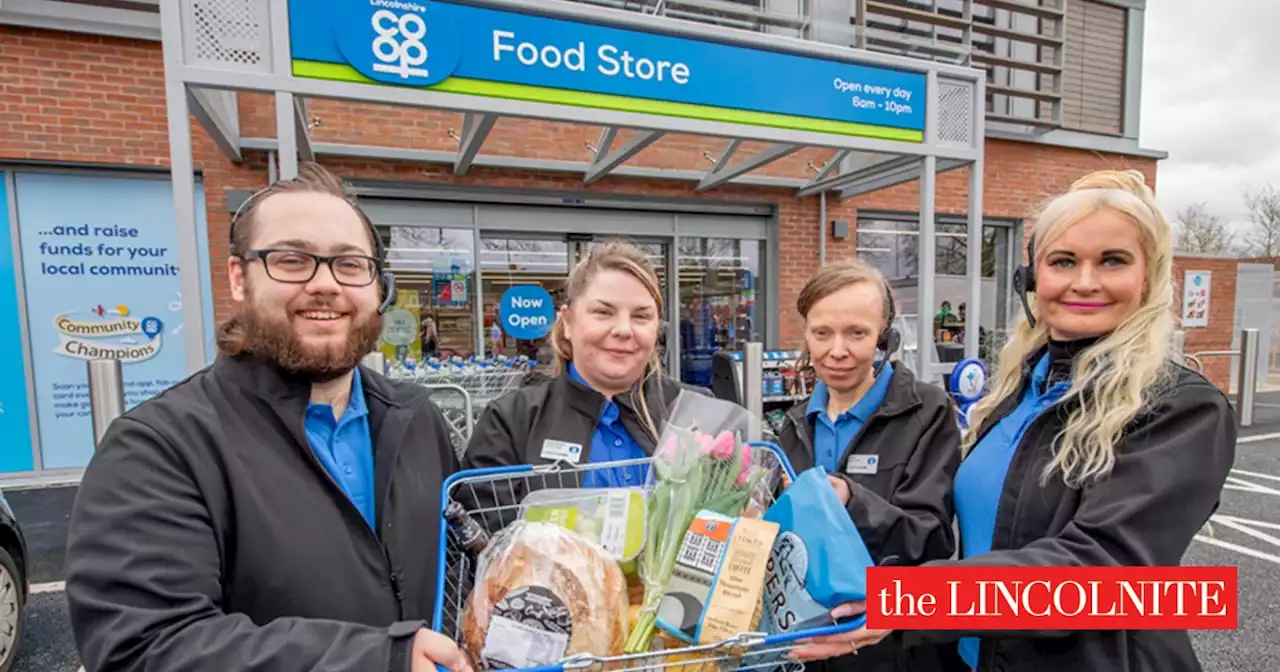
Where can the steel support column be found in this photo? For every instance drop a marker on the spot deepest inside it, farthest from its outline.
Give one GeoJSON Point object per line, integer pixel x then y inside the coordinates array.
{"type": "Point", "coordinates": [926, 257]}
{"type": "Point", "coordinates": [973, 265]}
{"type": "Point", "coordinates": [182, 169]}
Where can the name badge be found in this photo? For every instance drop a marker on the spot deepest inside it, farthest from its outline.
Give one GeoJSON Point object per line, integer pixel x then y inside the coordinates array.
{"type": "Point", "coordinates": [561, 450]}
{"type": "Point", "coordinates": [866, 465]}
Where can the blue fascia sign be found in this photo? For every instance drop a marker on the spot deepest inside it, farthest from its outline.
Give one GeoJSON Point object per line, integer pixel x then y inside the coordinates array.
{"type": "Point", "coordinates": [459, 48]}
{"type": "Point", "coordinates": [527, 312]}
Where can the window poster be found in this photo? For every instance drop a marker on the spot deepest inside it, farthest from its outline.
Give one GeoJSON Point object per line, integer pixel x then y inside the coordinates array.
{"type": "Point", "coordinates": [100, 269]}
{"type": "Point", "coordinates": [15, 415]}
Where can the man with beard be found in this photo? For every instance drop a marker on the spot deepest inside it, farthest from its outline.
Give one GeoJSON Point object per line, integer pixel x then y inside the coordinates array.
{"type": "Point", "coordinates": [278, 510]}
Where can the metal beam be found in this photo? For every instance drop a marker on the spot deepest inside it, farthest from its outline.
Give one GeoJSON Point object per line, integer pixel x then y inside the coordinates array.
{"type": "Point", "coordinates": [891, 178]}
{"type": "Point", "coordinates": [81, 18]}
{"type": "Point", "coordinates": [832, 165]}
{"type": "Point", "coordinates": [607, 162]}
{"type": "Point", "coordinates": [475, 128]}
{"type": "Point", "coordinates": [218, 118]}
{"type": "Point", "coordinates": [302, 127]}
{"type": "Point", "coordinates": [513, 162]}
{"type": "Point", "coordinates": [862, 173]}
{"type": "Point", "coordinates": [723, 173]}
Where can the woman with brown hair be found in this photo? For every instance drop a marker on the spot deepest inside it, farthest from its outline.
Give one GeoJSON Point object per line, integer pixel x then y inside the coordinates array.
{"type": "Point", "coordinates": [607, 397]}
{"type": "Point", "coordinates": [889, 443]}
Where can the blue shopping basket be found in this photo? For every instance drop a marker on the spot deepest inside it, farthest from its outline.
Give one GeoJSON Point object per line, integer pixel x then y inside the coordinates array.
{"type": "Point", "coordinates": [456, 575]}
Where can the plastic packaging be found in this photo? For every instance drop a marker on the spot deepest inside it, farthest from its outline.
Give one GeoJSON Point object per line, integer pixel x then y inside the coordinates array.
{"type": "Point", "coordinates": [819, 559]}
{"type": "Point", "coordinates": [702, 464]}
{"type": "Point", "coordinates": [614, 518]}
{"type": "Point", "coordinates": [543, 593]}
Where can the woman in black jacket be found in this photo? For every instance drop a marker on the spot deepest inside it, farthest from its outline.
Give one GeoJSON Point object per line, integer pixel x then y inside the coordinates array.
{"type": "Point", "coordinates": [607, 397]}
{"type": "Point", "coordinates": [1094, 446]}
{"type": "Point", "coordinates": [890, 443]}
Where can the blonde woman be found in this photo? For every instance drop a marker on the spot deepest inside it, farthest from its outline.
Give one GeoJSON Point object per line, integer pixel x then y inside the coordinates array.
{"type": "Point", "coordinates": [607, 397]}
{"type": "Point", "coordinates": [1093, 446]}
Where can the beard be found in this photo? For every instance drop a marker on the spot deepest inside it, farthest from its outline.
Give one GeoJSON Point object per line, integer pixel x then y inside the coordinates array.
{"type": "Point", "coordinates": [272, 339]}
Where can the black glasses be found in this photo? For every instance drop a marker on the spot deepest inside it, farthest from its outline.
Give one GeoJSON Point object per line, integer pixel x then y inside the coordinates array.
{"type": "Point", "coordinates": [351, 270]}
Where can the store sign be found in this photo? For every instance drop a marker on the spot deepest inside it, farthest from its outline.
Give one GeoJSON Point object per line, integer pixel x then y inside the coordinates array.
{"type": "Point", "coordinates": [1195, 299]}
{"type": "Point", "coordinates": [399, 327]}
{"type": "Point", "coordinates": [503, 54]}
{"type": "Point", "coordinates": [100, 268]}
{"type": "Point", "coordinates": [15, 418]}
{"type": "Point", "coordinates": [527, 312]}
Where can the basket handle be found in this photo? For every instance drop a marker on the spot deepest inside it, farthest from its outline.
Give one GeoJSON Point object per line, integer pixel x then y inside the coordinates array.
{"type": "Point", "coordinates": [837, 629]}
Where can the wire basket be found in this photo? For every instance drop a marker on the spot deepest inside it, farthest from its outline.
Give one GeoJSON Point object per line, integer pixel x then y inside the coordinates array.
{"type": "Point", "coordinates": [496, 494]}
{"type": "Point", "coordinates": [461, 388]}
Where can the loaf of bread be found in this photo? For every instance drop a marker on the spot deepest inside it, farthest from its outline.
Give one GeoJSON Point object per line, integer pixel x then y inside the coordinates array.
{"type": "Point", "coordinates": [543, 593]}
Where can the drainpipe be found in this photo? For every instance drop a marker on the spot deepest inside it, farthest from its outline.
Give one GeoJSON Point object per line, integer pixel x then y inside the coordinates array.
{"type": "Point", "coordinates": [822, 229]}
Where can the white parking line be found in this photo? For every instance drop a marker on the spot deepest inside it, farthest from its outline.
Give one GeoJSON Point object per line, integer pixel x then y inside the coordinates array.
{"type": "Point", "coordinates": [1258, 437]}
{"type": "Point", "coordinates": [1245, 550]}
{"type": "Point", "coordinates": [1256, 474]}
{"type": "Point", "coordinates": [51, 587]}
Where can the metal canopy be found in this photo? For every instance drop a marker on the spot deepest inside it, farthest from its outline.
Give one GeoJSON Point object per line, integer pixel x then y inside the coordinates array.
{"type": "Point", "coordinates": [215, 48]}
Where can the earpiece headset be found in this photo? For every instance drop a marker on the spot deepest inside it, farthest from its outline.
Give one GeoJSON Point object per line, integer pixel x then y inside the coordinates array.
{"type": "Point", "coordinates": [889, 339]}
{"type": "Point", "coordinates": [1024, 279]}
{"type": "Point", "coordinates": [386, 279]}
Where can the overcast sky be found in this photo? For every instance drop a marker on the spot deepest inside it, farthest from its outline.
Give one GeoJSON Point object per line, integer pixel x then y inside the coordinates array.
{"type": "Point", "coordinates": [1211, 99]}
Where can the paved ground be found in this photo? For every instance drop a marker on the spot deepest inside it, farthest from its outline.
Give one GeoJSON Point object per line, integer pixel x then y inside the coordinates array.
{"type": "Point", "coordinates": [1245, 533]}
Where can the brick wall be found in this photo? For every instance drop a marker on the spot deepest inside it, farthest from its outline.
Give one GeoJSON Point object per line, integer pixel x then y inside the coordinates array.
{"type": "Point", "coordinates": [1222, 310]}
{"type": "Point", "coordinates": [107, 107]}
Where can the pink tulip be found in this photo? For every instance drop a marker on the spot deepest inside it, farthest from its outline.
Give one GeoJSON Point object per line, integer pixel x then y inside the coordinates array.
{"type": "Point", "coordinates": [704, 442]}
{"type": "Point", "coordinates": [723, 446]}
{"type": "Point", "coordinates": [746, 466]}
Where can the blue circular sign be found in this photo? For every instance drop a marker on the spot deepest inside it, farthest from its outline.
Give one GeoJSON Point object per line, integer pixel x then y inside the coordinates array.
{"type": "Point", "coordinates": [968, 380]}
{"type": "Point", "coordinates": [527, 312]}
{"type": "Point", "coordinates": [409, 42]}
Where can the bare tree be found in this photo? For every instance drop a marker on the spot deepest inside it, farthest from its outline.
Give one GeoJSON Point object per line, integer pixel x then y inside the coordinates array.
{"type": "Point", "coordinates": [1203, 232]}
{"type": "Point", "coordinates": [1264, 214]}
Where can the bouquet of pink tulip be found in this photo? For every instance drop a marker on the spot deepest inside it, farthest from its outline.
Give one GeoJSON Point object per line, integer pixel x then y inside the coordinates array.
{"type": "Point", "coordinates": [694, 471]}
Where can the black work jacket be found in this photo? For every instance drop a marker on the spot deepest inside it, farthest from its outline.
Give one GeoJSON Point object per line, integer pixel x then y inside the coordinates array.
{"type": "Point", "coordinates": [514, 428]}
{"type": "Point", "coordinates": [905, 510]}
{"type": "Point", "coordinates": [207, 536]}
{"type": "Point", "coordinates": [1171, 464]}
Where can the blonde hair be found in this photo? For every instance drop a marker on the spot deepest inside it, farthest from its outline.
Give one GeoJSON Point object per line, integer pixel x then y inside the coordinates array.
{"type": "Point", "coordinates": [1124, 369]}
{"type": "Point", "coordinates": [832, 278]}
{"type": "Point", "coordinates": [611, 256]}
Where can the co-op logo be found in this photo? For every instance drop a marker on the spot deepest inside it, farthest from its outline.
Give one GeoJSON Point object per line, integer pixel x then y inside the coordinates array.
{"type": "Point", "coordinates": [398, 42]}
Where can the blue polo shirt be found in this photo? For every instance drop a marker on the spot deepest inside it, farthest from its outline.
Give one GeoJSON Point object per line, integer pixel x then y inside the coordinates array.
{"type": "Point", "coordinates": [980, 479]}
{"type": "Point", "coordinates": [610, 443]}
{"type": "Point", "coordinates": [832, 437]}
{"type": "Point", "coordinates": [345, 447]}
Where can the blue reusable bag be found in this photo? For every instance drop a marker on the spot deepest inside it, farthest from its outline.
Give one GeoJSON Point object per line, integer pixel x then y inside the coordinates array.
{"type": "Point", "coordinates": [819, 560]}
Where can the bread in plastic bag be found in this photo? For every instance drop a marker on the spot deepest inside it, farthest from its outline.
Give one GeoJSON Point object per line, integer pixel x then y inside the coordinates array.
{"type": "Point", "coordinates": [542, 593]}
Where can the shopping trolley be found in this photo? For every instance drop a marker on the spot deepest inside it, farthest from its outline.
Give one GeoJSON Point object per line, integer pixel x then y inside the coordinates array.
{"type": "Point", "coordinates": [455, 577]}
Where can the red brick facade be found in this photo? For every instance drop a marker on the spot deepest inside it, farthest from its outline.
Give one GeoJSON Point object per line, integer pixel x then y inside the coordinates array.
{"type": "Point", "coordinates": [1222, 311]}
{"type": "Point", "coordinates": [106, 107]}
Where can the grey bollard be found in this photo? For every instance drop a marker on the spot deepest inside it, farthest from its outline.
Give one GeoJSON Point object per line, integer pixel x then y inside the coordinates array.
{"type": "Point", "coordinates": [376, 361]}
{"type": "Point", "coordinates": [1180, 346]}
{"type": "Point", "coordinates": [106, 395]}
{"type": "Point", "coordinates": [753, 386]}
{"type": "Point", "coordinates": [1248, 376]}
